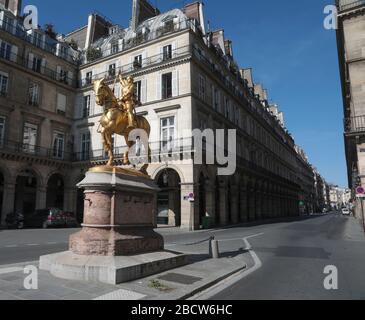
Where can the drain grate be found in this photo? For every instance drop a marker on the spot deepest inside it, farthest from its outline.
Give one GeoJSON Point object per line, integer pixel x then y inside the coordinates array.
{"type": "Point", "coordinates": [179, 278]}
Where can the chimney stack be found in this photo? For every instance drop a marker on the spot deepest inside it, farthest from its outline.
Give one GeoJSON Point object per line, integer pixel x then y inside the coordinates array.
{"type": "Point", "coordinates": [141, 11]}
{"type": "Point", "coordinates": [13, 6]}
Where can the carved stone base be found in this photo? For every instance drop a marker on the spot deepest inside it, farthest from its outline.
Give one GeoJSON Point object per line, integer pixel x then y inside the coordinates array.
{"type": "Point", "coordinates": [119, 242]}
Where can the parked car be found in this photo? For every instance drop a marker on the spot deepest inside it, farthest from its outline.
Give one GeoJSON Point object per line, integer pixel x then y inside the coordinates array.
{"type": "Point", "coordinates": [45, 218]}
{"type": "Point", "coordinates": [346, 212]}
{"type": "Point", "coordinates": [14, 220]}
{"type": "Point", "coordinates": [70, 220]}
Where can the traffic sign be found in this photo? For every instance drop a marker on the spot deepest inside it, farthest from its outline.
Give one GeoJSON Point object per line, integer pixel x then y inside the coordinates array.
{"type": "Point", "coordinates": [360, 190]}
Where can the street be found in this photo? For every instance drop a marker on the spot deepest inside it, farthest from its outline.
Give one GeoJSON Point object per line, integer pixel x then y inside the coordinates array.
{"type": "Point", "coordinates": [292, 255]}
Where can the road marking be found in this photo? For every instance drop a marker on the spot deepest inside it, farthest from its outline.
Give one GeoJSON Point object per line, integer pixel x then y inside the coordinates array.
{"type": "Point", "coordinates": [11, 246]}
{"type": "Point", "coordinates": [219, 287]}
{"type": "Point", "coordinates": [32, 244]}
{"type": "Point", "coordinates": [121, 295]}
{"type": "Point", "coordinates": [10, 270]}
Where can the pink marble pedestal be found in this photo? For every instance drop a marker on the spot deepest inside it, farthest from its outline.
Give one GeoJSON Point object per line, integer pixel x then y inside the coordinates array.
{"type": "Point", "coordinates": [117, 242]}
{"type": "Point", "coordinates": [119, 216]}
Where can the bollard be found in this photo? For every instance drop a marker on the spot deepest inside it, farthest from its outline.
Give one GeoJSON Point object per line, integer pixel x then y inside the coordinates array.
{"type": "Point", "coordinates": [214, 249]}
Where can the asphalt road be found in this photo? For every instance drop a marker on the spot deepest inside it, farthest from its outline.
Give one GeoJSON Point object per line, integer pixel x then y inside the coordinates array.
{"type": "Point", "coordinates": [293, 255]}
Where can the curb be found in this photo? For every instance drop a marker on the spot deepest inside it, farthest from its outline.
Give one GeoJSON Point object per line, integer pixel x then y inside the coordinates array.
{"type": "Point", "coordinates": [211, 284]}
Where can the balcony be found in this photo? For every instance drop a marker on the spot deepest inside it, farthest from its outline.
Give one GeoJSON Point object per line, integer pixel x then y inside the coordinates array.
{"type": "Point", "coordinates": [136, 66]}
{"type": "Point", "coordinates": [143, 38]}
{"type": "Point", "coordinates": [354, 124]}
{"type": "Point", "coordinates": [50, 47]}
{"type": "Point", "coordinates": [175, 150]}
{"type": "Point", "coordinates": [49, 73]}
{"type": "Point", "coordinates": [350, 4]}
{"type": "Point", "coordinates": [26, 150]}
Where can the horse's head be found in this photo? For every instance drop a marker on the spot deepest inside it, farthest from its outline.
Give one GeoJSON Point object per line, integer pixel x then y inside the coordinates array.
{"type": "Point", "coordinates": [101, 94]}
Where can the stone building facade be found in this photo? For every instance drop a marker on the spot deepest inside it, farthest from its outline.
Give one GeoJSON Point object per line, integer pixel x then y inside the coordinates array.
{"type": "Point", "coordinates": [351, 49]}
{"type": "Point", "coordinates": [186, 79]}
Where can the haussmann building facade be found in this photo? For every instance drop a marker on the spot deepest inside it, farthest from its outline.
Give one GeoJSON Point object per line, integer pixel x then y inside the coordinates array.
{"type": "Point", "coordinates": [186, 78]}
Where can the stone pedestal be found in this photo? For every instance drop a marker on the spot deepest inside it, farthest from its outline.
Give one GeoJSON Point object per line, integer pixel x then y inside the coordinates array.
{"type": "Point", "coordinates": [117, 241]}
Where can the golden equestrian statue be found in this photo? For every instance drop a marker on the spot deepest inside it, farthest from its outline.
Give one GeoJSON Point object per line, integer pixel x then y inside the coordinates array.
{"type": "Point", "coordinates": [119, 115]}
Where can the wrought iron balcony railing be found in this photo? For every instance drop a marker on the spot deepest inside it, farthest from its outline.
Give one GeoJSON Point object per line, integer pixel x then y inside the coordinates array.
{"type": "Point", "coordinates": [49, 46]}
{"type": "Point", "coordinates": [350, 4]}
{"type": "Point", "coordinates": [38, 68]}
{"type": "Point", "coordinates": [34, 151]}
{"type": "Point", "coordinates": [354, 124]}
{"type": "Point", "coordinates": [134, 66]}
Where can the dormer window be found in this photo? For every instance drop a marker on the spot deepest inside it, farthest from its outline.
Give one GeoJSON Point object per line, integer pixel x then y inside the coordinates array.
{"type": "Point", "coordinates": [64, 52]}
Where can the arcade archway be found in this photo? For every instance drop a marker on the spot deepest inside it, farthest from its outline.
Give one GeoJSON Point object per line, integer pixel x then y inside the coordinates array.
{"type": "Point", "coordinates": [26, 192]}
{"type": "Point", "coordinates": [169, 198]}
{"type": "Point", "coordinates": [55, 192]}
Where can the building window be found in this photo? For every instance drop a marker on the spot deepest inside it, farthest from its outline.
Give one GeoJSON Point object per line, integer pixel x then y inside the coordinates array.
{"type": "Point", "coordinates": [89, 77]}
{"type": "Point", "coordinates": [64, 52]}
{"type": "Point", "coordinates": [115, 47]}
{"type": "Point", "coordinates": [61, 103]}
{"type": "Point", "coordinates": [8, 24]}
{"type": "Point", "coordinates": [63, 76]}
{"type": "Point", "coordinates": [33, 94]}
{"type": "Point", "coordinates": [226, 108]}
{"type": "Point", "coordinates": [5, 50]}
{"type": "Point", "coordinates": [111, 70]}
{"type": "Point", "coordinates": [37, 64]}
{"type": "Point", "coordinates": [137, 63]}
{"type": "Point", "coordinates": [167, 134]}
{"type": "Point", "coordinates": [138, 88]}
{"type": "Point", "coordinates": [30, 138]}
{"type": "Point", "coordinates": [4, 79]}
{"type": "Point", "coordinates": [86, 107]}
{"type": "Point", "coordinates": [58, 145]}
{"type": "Point", "coordinates": [2, 131]}
{"type": "Point", "coordinates": [85, 146]}
{"type": "Point", "coordinates": [167, 52]}
{"type": "Point", "coordinates": [202, 87]}
{"type": "Point", "coordinates": [167, 85]}
{"type": "Point", "coordinates": [37, 38]}
{"type": "Point", "coordinates": [216, 99]}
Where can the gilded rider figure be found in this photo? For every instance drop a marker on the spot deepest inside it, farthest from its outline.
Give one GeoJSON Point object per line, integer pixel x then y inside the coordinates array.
{"type": "Point", "coordinates": [128, 99]}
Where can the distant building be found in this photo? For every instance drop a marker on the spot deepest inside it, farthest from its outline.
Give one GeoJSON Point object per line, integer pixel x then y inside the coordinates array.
{"type": "Point", "coordinates": [351, 50]}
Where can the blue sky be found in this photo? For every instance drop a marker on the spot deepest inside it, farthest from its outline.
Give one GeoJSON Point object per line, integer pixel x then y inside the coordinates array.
{"type": "Point", "coordinates": [285, 43]}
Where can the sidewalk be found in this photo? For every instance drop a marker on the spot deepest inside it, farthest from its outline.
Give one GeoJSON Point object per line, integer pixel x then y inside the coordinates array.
{"type": "Point", "coordinates": [177, 284]}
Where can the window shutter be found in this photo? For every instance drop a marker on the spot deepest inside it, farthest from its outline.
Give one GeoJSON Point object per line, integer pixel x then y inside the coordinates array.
{"type": "Point", "coordinates": [14, 53]}
{"type": "Point", "coordinates": [70, 78]}
{"type": "Point", "coordinates": [175, 83]}
{"type": "Point", "coordinates": [61, 102]}
{"type": "Point", "coordinates": [58, 76]}
{"type": "Point", "coordinates": [144, 91]}
{"type": "Point", "coordinates": [30, 60]}
{"type": "Point", "coordinates": [174, 53]}
{"type": "Point", "coordinates": [43, 65]}
{"type": "Point", "coordinates": [159, 87]}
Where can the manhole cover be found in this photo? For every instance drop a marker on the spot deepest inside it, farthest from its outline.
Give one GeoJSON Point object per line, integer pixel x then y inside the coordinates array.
{"type": "Point", "coordinates": [179, 278]}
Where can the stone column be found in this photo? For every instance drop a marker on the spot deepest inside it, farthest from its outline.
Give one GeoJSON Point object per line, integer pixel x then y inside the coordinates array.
{"type": "Point", "coordinates": [234, 204]}
{"type": "Point", "coordinates": [8, 201]}
{"type": "Point", "coordinates": [223, 212]}
{"type": "Point", "coordinates": [252, 203]}
{"type": "Point", "coordinates": [41, 198]}
{"type": "Point", "coordinates": [258, 201]}
{"type": "Point", "coordinates": [188, 210]}
{"type": "Point", "coordinates": [171, 214]}
{"type": "Point", "coordinates": [70, 200]}
{"type": "Point", "coordinates": [243, 196]}
{"type": "Point", "coordinates": [210, 200]}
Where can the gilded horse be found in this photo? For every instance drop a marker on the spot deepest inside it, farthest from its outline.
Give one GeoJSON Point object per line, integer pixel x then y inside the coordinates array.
{"type": "Point", "coordinates": [115, 120]}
